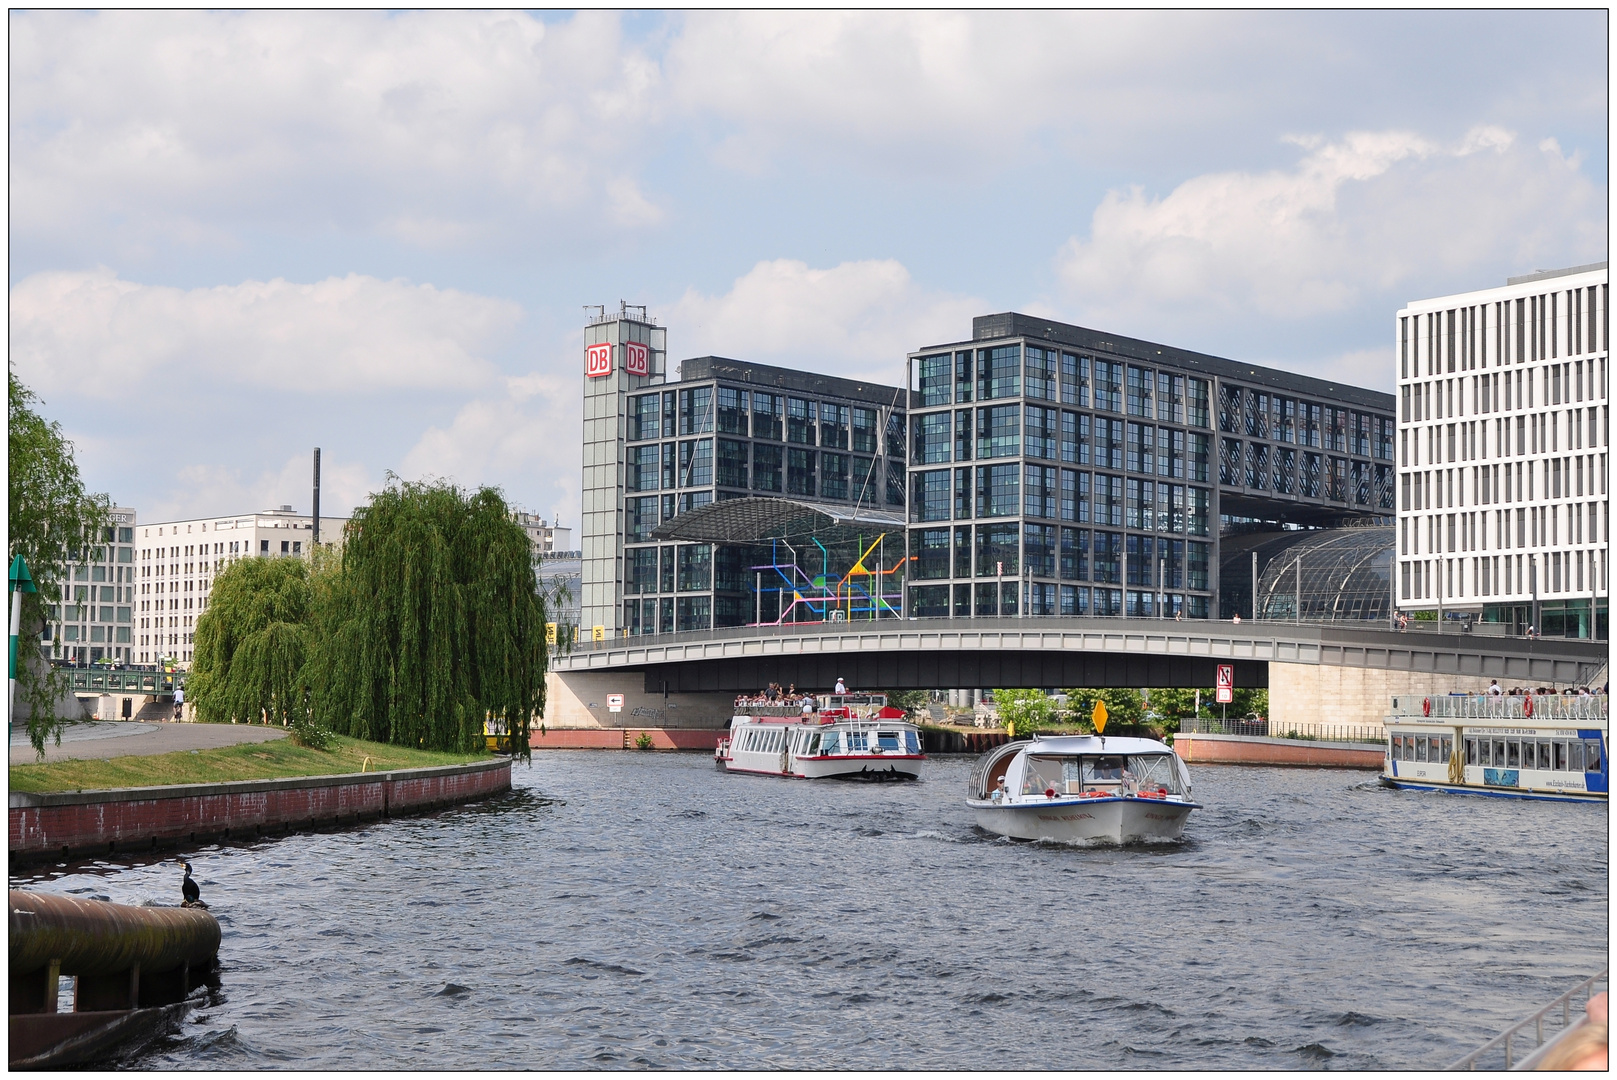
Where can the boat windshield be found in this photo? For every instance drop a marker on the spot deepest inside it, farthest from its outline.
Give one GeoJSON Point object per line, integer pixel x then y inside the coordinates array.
{"type": "Point", "coordinates": [830, 742]}
{"type": "Point", "coordinates": [1155, 770]}
{"type": "Point", "coordinates": [1069, 776]}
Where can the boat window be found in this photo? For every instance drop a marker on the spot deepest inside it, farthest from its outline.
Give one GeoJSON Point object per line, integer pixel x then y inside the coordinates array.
{"type": "Point", "coordinates": [1498, 753]}
{"type": "Point", "coordinates": [829, 741]}
{"type": "Point", "coordinates": [1446, 749]}
{"type": "Point", "coordinates": [1155, 770]}
{"type": "Point", "coordinates": [1045, 773]}
{"type": "Point", "coordinates": [1102, 768]}
{"type": "Point", "coordinates": [887, 740]}
{"type": "Point", "coordinates": [1544, 752]}
{"type": "Point", "coordinates": [1471, 756]}
{"type": "Point", "coordinates": [1513, 754]}
{"type": "Point", "coordinates": [1420, 748]}
{"type": "Point", "coordinates": [1574, 752]}
{"type": "Point", "coordinates": [813, 744]}
{"type": "Point", "coordinates": [1591, 757]}
{"type": "Point", "coordinates": [858, 742]}
{"type": "Point", "coordinates": [912, 742]}
{"type": "Point", "coordinates": [1560, 756]}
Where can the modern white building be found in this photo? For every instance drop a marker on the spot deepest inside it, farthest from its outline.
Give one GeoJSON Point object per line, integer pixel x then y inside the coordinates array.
{"type": "Point", "coordinates": [94, 622]}
{"type": "Point", "coordinates": [176, 562]}
{"type": "Point", "coordinates": [1503, 442]}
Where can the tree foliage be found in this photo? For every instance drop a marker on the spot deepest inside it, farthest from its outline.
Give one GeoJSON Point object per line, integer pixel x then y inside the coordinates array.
{"type": "Point", "coordinates": [431, 623]}
{"type": "Point", "coordinates": [1123, 706]}
{"type": "Point", "coordinates": [51, 520]}
{"type": "Point", "coordinates": [1024, 711]}
{"type": "Point", "coordinates": [252, 643]}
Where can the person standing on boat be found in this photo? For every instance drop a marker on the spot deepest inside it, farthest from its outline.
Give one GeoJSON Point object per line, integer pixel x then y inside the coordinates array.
{"type": "Point", "coordinates": [808, 704]}
{"type": "Point", "coordinates": [842, 687]}
{"type": "Point", "coordinates": [1493, 688]}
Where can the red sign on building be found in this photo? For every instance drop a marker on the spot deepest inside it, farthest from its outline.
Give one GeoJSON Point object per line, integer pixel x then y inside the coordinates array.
{"type": "Point", "coordinates": [597, 360]}
{"type": "Point", "coordinates": [636, 358]}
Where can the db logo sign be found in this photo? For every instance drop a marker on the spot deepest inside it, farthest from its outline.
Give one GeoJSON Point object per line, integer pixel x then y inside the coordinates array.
{"type": "Point", "coordinates": [636, 358]}
{"type": "Point", "coordinates": [597, 361]}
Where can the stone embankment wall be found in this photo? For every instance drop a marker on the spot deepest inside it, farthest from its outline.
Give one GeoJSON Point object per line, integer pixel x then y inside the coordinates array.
{"type": "Point", "coordinates": [139, 819]}
{"type": "Point", "coordinates": [1318, 694]}
{"type": "Point", "coordinates": [624, 738]}
{"type": "Point", "coordinates": [578, 699]}
{"type": "Point", "coordinates": [1259, 750]}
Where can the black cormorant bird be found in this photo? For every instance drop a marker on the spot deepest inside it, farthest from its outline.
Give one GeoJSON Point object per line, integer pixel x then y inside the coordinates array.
{"type": "Point", "coordinates": [189, 889]}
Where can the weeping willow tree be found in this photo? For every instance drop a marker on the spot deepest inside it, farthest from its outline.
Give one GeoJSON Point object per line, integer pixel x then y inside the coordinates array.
{"type": "Point", "coordinates": [433, 623]}
{"type": "Point", "coordinates": [252, 643]}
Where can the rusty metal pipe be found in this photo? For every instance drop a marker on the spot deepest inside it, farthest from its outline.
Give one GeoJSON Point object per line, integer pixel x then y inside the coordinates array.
{"type": "Point", "coordinates": [92, 937]}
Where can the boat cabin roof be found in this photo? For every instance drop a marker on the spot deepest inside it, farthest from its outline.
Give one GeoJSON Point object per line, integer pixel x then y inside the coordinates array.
{"type": "Point", "coordinates": [1093, 744]}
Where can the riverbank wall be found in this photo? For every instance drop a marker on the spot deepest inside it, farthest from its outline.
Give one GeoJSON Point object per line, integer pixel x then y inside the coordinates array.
{"type": "Point", "coordinates": [61, 824]}
{"type": "Point", "coordinates": [625, 738]}
{"type": "Point", "coordinates": [1262, 750]}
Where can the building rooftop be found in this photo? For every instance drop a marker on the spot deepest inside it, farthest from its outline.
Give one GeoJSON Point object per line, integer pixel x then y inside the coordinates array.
{"type": "Point", "coordinates": [1540, 275]}
{"type": "Point", "coordinates": [775, 378]}
{"type": "Point", "coordinates": [1015, 324]}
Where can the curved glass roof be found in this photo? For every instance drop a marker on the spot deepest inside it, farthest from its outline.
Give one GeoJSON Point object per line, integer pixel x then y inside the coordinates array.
{"type": "Point", "coordinates": [743, 521]}
{"type": "Point", "coordinates": [1345, 574]}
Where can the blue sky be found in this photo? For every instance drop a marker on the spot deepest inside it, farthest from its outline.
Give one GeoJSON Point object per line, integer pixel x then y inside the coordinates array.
{"type": "Point", "coordinates": [238, 236]}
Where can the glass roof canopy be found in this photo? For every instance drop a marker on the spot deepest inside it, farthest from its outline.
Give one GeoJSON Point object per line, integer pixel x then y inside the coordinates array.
{"type": "Point", "coordinates": [752, 520]}
{"type": "Point", "coordinates": [1346, 574]}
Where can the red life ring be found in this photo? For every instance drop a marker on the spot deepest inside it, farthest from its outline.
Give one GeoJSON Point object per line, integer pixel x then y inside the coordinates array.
{"type": "Point", "coordinates": [1426, 707]}
{"type": "Point", "coordinates": [1527, 706]}
{"type": "Point", "coordinates": [1049, 793]}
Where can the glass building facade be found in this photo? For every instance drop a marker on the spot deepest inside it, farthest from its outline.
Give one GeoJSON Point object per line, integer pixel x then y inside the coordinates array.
{"type": "Point", "coordinates": [1058, 471]}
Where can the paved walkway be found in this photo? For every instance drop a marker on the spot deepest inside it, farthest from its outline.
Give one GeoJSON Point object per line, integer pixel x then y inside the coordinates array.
{"type": "Point", "coordinates": [119, 738]}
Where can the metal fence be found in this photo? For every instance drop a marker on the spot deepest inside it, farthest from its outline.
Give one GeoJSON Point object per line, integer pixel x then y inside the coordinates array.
{"type": "Point", "coordinates": [1271, 729]}
{"type": "Point", "coordinates": [90, 680]}
{"type": "Point", "coordinates": [1503, 707]}
{"type": "Point", "coordinates": [1505, 1040]}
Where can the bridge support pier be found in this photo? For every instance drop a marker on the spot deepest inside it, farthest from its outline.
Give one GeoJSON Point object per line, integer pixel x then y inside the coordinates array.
{"type": "Point", "coordinates": [578, 699]}
{"type": "Point", "coordinates": [1328, 694]}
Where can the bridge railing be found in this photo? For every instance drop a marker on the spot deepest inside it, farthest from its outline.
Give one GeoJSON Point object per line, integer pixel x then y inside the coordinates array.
{"type": "Point", "coordinates": [1503, 707]}
{"type": "Point", "coordinates": [93, 681]}
{"type": "Point", "coordinates": [1307, 732]}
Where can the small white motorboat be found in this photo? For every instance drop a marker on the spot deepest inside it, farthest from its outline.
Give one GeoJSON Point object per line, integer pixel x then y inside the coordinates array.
{"type": "Point", "coordinates": [847, 736]}
{"type": "Point", "coordinates": [1082, 789]}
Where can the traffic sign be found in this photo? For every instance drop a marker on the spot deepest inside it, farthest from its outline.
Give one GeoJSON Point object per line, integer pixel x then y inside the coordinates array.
{"type": "Point", "coordinates": [1226, 683]}
{"type": "Point", "coordinates": [1099, 717]}
{"type": "Point", "coordinates": [614, 702]}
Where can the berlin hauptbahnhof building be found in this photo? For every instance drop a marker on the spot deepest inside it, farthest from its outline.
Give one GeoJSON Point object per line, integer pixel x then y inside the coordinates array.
{"type": "Point", "coordinates": [1037, 468]}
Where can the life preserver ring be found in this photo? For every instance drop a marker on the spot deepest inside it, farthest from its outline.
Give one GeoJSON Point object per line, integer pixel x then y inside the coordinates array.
{"type": "Point", "coordinates": [1527, 706]}
{"type": "Point", "coordinates": [1426, 707]}
{"type": "Point", "coordinates": [1049, 793]}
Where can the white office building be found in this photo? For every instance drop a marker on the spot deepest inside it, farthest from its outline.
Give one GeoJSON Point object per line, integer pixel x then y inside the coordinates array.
{"type": "Point", "coordinates": [176, 562]}
{"type": "Point", "coordinates": [94, 622]}
{"type": "Point", "coordinates": [1503, 438]}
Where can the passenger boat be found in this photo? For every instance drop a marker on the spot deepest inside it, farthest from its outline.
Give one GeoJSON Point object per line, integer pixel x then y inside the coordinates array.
{"type": "Point", "coordinates": [1546, 746]}
{"type": "Point", "coordinates": [848, 736]}
{"type": "Point", "coordinates": [1082, 789]}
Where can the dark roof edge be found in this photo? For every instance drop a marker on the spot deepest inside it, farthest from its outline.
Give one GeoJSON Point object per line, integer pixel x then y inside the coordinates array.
{"type": "Point", "coordinates": [1015, 324]}
{"type": "Point", "coordinates": [699, 368]}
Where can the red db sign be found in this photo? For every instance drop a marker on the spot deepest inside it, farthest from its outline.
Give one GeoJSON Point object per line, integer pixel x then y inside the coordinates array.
{"type": "Point", "coordinates": [597, 361]}
{"type": "Point", "coordinates": [636, 358]}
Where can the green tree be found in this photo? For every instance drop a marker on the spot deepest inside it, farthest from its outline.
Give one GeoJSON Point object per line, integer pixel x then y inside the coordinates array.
{"type": "Point", "coordinates": [52, 520]}
{"type": "Point", "coordinates": [1123, 706]}
{"type": "Point", "coordinates": [432, 624]}
{"type": "Point", "coordinates": [252, 643]}
{"type": "Point", "coordinates": [911, 701]}
{"type": "Point", "coordinates": [1024, 711]}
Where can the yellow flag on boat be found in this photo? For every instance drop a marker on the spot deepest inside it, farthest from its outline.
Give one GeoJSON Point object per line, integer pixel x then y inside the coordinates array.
{"type": "Point", "coordinates": [1099, 716]}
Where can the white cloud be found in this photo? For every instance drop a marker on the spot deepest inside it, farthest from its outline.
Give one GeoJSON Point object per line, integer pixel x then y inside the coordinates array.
{"type": "Point", "coordinates": [163, 121]}
{"type": "Point", "coordinates": [854, 319]}
{"type": "Point", "coordinates": [97, 334]}
{"type": "Point", "coordinates": [1353, 220]}
{"type": "Point", "coordinates": [200, 490]}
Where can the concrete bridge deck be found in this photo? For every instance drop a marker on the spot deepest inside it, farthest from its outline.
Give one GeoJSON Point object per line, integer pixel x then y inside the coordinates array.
{"type": "Point", "coordinates": [1042, 651]}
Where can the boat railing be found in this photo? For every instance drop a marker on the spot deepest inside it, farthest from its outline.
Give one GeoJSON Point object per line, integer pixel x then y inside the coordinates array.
{"type": "Point", "coordinates": [1275, 729]}
{"type": "Point", "coordinates": [1592, 707]}
{"type": "Point", "coordinates": [1506, 1039]}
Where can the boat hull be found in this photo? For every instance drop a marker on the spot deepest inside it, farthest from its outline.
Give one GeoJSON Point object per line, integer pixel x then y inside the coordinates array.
{"type": "Point", "coordinates": [1124, 820]}
{"type": "Point", "coordinates": [1494, 792]}
{"type": "Point", "coordinates": [846, 767]}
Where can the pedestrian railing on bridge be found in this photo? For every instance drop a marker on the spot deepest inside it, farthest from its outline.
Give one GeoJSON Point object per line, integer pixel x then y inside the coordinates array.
{"type": "Point", "coordinates": [1271, 729]}
{"type": "Point", "coordinates": [93, 681]}
{"type": "Point", "coordinates": [1591, 707]}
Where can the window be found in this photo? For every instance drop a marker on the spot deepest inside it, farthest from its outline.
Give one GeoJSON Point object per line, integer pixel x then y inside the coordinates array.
{"type": "Point", "coordinates": [1040, 372]}
{"type": "Point", "coordinates": [1108, 508]}
{"type": "Point", "coordinates": [800, 421]}
{"type": "Point", "coordinates": [1074, 555]}
{"type": "Point", "coordinates": [864, 430]}
{"type": "Point", "coordinates": [997, 551]}
{"type": "Point", "coordinates": [935, 377]}
{"type": "Point", "coordinates": [766, 462]}
{"type": "Point", "coordinates": [1141, 382]}
{"type": "Point", "coordinates": [999, 372]}
{"type": "Point", "coordinates": [932, 435]}
{"type": "Point", "coordinates": [695, 612]}
{"type": "Point", "coordinates": [1199, 457]}
{"type": "Point", "coordinates": [998, 490]}
{"type": "Point", "coordinates": [696, 410]}
{"type": "Point", "coordinates": [695, 567]}
{"type": "Point", "coordinates": [732, 410]}
{"type": "Point", "coordinates": [1039, 549]}
{"type": "Point", "coordinates": [1197, 407]}
{"type": "Point", "coordinates": [766, 416]}
{"type": "Point", "coordinates": [1108, 449]}
{"type": "Point", "coordinates": [962, 494]}
{"type": "Point", "coordinates": [732, 462]}
{"type": "Point", "coordinates": [1108, 386]}
{"type": "Point", "coordinates": [863, 485]}
{"type": "Point", "coordinates": [833, 425]}
{"type": "Point", "coordinates": [833, 475]}
{"type": "Point", "coordinates": [1108, 557]}
{"type": "Point", "coordinates": [1040, 491]}
{"type": "Point", "coordinates": [930, 499]}
{"type": "Point", "coordinates": [1170, 397]}
{"type": "Point", "coordinates": [999, 431]}
{"type": "Point", "coordinates": [1074, 380]}
{"type": "Point", "coordinates": [1041, 432]}
{"type": "Point", "coordinates": [645, 414]}
{"type": "Point", "coordinates": [931, 550]}
{"type": "Point", "coordinates": [642, 514]}
{"type": "Point", "coordinates": [643, 468]}
{"type": "Point", "coordinates": [695, 462]}
{"type": "Point", "coordinates": [1141, 448]}
{"type": "Point", "coordinates": [962, 376]}
{"type": "Point", "coordinates": [642, 570]}
{"type": "Point", "coordinates": [800, 472]}
{"type": "Point", "coordinates": [929, 602]}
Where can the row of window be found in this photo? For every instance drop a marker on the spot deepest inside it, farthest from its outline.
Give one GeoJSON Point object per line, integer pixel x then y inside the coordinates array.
{"type": "Point", "coordinates": [1033, 371]}
{"type": "Point", "coordinates": [1534, 527]}
{"type": "Point", "coordinates": [1536, 434]}
{"type": "Point", "coordinates": [1044, 491]}
{"type": "Point", "coordinates": [1049, 551]}
{"type": "Point", "coordinates": [999, 599]}
{"type": "Point", "coordinates": [759, 414]}
{"type": "Point", "coordinates": [112, 635]}
{"type": "Point", "coordinates": [1058, 435]}
{"type": "Point", "coordinates": [1506, 752]}
{"type": "Point", "coordinates": [1284, 471]}
{"type": "Point", "coordinates": [1561, 384]}
{"type": "Point", "coordinates": [1504, 575]}
{"type": "Point", "coordinates": [771, 468]}
{"type": "Point", "coordinates": [1525, 329]}
{"type": "Point", "coordinates": [1554, 478]}
{"type": "Point", "coordinates": [1262, 415]}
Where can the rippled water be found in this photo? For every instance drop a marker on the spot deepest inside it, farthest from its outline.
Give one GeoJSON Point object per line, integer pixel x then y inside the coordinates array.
{"type": "Point", "coordinates": [622, 909]}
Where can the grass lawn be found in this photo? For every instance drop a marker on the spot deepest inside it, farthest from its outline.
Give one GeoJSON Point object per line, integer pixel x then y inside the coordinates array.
{"type": "Point", "coordinates": [247, 761]}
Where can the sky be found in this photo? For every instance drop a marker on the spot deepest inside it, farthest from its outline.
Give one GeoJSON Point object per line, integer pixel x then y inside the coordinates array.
{"type": "Point", "coordinates": [238, 236]}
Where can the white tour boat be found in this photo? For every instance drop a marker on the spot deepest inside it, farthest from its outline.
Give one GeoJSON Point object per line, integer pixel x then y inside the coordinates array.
{"type": "Point", "coordinates": [1547, 746]}
{"type": "Point", "coordinates": [1082, 788]}
{"type": "Point", "coordinates": [849, 736]}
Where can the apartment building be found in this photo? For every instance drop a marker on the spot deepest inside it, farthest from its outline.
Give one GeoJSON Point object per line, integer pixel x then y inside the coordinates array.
{"type": "Point", "coordinates": [1503, 436]}
{"type": "Point", "coordinates": [94, 622]}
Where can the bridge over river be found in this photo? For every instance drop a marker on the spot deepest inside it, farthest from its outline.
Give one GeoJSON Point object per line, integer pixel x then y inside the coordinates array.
{"type": "Point", "coordinates": [1356, 668]}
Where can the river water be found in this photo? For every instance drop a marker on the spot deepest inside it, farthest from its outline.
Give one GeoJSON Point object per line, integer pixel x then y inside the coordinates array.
{"type": "Point", "coordinates": [623, 910]}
